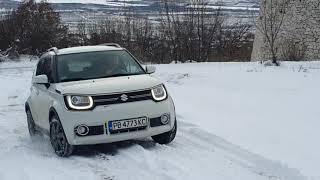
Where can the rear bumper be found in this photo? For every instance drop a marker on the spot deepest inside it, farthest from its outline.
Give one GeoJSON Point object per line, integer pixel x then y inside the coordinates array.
{"type": "Point", "coordinates": [101, 115]}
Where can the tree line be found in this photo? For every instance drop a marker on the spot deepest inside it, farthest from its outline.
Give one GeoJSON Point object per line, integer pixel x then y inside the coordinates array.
{"type": "Point", "coordinates": [190, 34]}
{"type": "Point", "coordinates": [32, 27]}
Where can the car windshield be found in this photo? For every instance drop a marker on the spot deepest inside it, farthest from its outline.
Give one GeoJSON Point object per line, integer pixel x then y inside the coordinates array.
{"type": "Point", "coordinates": [94, 65]}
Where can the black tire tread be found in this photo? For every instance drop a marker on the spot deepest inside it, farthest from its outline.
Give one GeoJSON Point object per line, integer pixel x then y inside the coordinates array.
{"type": "Point", "coordinates": [68, 150]}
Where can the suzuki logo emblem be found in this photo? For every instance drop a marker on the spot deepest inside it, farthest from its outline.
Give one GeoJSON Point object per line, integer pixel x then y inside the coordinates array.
{"type": "Point", "coordinates": [124, 97]}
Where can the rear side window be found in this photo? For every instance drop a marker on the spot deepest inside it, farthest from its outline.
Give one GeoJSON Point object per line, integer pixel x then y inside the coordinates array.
{"type": "Point", "coordinates": [40, 67]}
{"type": "Point", "coordinates": [45, 67]}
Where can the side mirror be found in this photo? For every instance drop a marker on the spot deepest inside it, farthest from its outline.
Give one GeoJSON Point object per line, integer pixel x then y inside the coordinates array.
{"type": "Point", "coordinates": [41, 79]}
{"type": "Point", "coordinates": [150, 69]}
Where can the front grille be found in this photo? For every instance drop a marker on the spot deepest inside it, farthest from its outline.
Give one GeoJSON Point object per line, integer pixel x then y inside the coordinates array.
{"type": "Point", "coordinates": [96, 130]}
{"type": "Point", "coordinates": [128, 130]}
{"type": "Point", "coordinates": [119, 98]}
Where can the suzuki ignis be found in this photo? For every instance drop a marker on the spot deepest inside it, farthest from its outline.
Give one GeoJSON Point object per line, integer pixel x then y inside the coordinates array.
{"type": "Point", "coordinates": [97, 94]}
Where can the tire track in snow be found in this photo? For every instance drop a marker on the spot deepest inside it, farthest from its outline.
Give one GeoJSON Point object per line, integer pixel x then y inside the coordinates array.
{"type": "Point", "coordinates": [167, 161]}
{"type": "Point", "coordinates": [144, 159]}
{"type": "Point", "coordinates": [253, 162]}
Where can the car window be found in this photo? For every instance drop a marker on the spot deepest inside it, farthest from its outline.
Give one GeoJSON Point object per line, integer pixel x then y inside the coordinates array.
{"type": "Point", "coordinates": [45, 67]}
{"type": "Point", "coordinates": [130, 65]}
{"type": "Point", "coordinates": [40, 67]}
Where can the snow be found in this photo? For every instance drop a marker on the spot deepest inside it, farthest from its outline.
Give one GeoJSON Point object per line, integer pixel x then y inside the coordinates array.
{"type": "Point", "coordinates": [236, 121]}
{"type": "Point", "coordinates": [116, 3]}
{"type": "Point", "coordinates": [241, 8]}
{"type": "Point", "coordinates": [268, 110]}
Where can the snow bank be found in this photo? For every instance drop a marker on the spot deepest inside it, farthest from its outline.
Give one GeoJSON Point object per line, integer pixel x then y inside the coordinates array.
{"type": "Point", "coordinates": [272, 111]}
{"type": "Point", "coordinates": [236, 121]}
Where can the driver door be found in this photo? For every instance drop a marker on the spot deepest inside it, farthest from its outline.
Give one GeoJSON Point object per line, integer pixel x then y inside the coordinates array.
{"type": "Point", "coordinates": [44, 96]}
{"type": "Point", "coordinates": [41, 96]}
{"type": "Point", "coordinates": [35, 103]}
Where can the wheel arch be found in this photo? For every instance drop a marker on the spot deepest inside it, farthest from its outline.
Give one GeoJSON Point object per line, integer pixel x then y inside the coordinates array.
{"type": "Point", "coordinates": [52, 112]}
{"type": "Point", "coordinates": [27, 107]}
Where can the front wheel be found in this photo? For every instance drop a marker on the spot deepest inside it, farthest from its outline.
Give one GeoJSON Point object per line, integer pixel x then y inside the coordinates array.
{"type": "Point", "coordinates": [167, 137]}
{"type": "Point", "coordinates": [58, 139]}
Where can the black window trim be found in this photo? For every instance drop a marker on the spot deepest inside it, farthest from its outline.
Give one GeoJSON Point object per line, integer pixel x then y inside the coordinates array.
{"type": "Point", "coordinates": [55, 67]}
{"type": "Point", "coordinates": [50, 78]}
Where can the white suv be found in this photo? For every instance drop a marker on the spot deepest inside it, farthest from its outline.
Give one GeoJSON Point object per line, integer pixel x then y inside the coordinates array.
{"type": "Point", "coordinates": [97, 94]}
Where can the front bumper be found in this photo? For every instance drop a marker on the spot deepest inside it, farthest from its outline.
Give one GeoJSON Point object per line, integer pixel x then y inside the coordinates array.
{"type": "Point", "coordinates": [101, 115]}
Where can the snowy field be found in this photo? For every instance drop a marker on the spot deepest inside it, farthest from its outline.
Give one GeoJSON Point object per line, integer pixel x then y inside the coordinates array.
{"type": "Point", "coordinates": [237, 121]}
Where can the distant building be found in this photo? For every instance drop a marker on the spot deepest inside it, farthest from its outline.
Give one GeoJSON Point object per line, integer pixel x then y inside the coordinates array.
{"type": "Point", "coordinates": [299, 34]}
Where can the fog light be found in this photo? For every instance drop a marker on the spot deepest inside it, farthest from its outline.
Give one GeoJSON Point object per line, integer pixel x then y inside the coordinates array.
{"type": "Point", "coordinates": [165, 119]}
{"type": "Point", "coordinates": [82, 130]}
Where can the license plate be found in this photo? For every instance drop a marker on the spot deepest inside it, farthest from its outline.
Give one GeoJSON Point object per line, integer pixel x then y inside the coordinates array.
{"type": "Point", "coordinates": [128, 124]}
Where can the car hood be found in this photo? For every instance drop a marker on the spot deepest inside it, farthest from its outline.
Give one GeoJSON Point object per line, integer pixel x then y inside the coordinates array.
{"type": "Point", "coordinates": [108, 85]}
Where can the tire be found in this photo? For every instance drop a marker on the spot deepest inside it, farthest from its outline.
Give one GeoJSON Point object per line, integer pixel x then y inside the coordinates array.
{"type": "Point", "coordinates": [31, 125]}
{"type": "Point", "coordinates": [58, 139]}
{"type": "Point", "coordinates": [167, 137]}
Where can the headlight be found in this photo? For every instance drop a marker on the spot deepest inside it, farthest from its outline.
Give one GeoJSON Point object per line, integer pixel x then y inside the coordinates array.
{"type": "Point", "coordinates": [159, 93]}
{"type": "Point", "coordinates": [80, 102]}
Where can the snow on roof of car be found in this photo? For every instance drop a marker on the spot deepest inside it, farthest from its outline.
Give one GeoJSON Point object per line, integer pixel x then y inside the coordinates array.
{"type": "Point", "coordinates": [84, 49]}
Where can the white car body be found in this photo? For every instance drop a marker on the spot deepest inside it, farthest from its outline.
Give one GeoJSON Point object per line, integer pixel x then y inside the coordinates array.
{"type": "Point", "coordinates": [47, 100]}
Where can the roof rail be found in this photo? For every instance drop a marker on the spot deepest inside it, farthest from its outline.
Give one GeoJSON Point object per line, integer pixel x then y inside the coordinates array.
{"type": "Point", "coordinates": [111, 44]}
{"type": "Point", "coordinates": [54, 49]}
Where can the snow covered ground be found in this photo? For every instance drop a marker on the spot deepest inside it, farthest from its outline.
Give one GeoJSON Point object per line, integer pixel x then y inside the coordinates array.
{"type": "Point", "coordinates": [237, 121]}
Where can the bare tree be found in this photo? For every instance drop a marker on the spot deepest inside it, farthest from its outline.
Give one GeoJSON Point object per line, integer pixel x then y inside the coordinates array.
{"type": "Point", "coordinates": [191, 31]}
{"type": "Point", "coordinates": [170, 26]}
{"type": "Point", "coordinates": [235, 39]}
{"type": "Point", "coordinates": [270, 22]}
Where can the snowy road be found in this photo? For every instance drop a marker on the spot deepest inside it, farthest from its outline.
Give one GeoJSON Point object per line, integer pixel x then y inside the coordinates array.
{"type": "Point", "coordinates": [209, 111]}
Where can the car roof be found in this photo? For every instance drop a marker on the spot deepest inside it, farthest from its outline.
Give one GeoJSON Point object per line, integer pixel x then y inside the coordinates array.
{"type": "Point", "coordinates": [85, 49]}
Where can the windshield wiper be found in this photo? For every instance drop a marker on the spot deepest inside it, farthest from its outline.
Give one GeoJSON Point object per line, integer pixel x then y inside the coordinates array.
{"type": "Point", "coordinates": [109, 76]}
{"type": "Point", "coordinates": [73, 79]}
{"type": "Point", "coordinates": [121, 74]}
